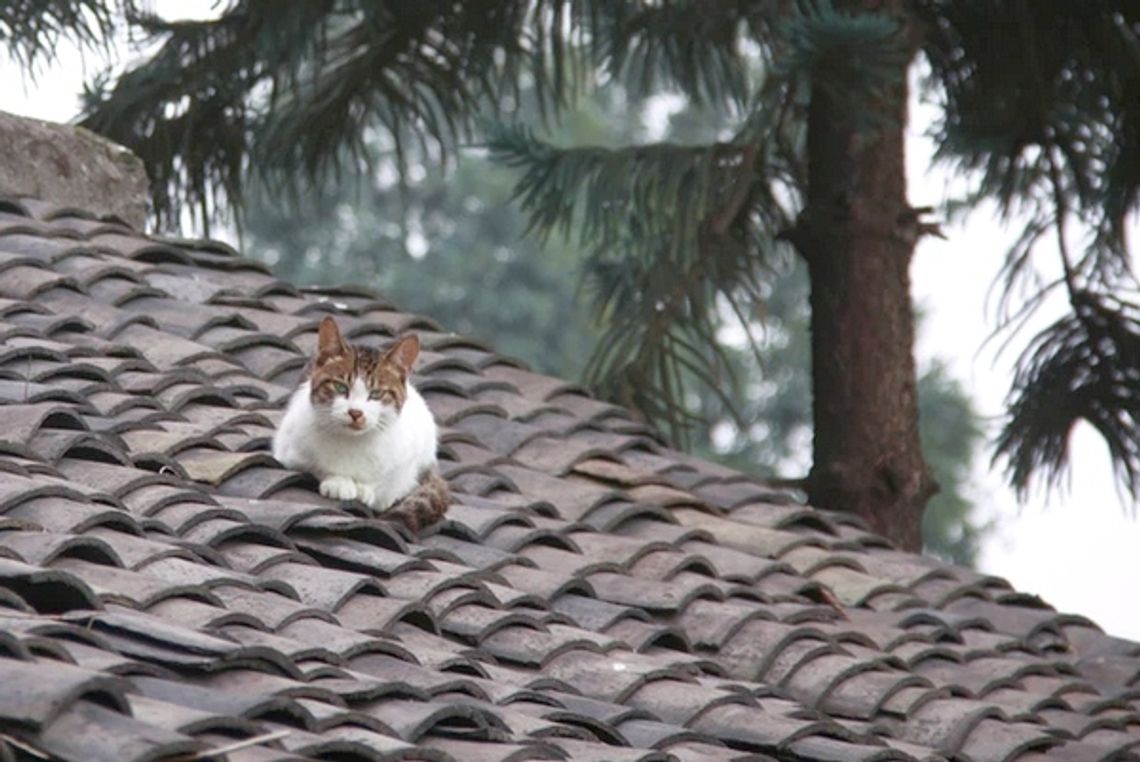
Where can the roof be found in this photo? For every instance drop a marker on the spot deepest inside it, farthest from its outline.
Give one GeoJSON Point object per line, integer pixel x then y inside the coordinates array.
{"type": "Point", "coordinates": [167, 589]}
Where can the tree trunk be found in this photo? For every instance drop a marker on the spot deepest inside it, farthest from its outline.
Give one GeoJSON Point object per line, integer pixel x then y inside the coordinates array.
{"type": "Point", "coordinates": [857, 234]}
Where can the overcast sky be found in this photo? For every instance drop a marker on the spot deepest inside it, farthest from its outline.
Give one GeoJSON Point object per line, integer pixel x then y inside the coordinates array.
{"type": "Point", "coordinates": [1078, 549]}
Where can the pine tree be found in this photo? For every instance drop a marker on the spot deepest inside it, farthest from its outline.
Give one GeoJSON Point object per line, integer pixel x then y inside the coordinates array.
{"type": "Point", "coordinates": [1039, 103]}
{"type": "Point", "coordinates": [816, 159]}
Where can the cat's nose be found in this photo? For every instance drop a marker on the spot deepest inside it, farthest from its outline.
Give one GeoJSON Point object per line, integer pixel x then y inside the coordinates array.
{"type": "Point", "coordinates": [355, 415]}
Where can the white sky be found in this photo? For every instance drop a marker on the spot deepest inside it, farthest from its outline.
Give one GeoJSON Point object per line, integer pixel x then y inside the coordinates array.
{"type": "Point", "coordinates": [1079, 550]}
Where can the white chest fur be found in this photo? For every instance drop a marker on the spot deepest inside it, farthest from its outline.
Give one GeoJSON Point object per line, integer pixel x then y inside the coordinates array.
{"type": "Point", "coordinates": [379, 466]}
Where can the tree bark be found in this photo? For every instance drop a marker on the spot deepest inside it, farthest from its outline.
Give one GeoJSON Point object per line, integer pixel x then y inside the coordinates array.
{"type": "Point", "coordinates": [857, 234]}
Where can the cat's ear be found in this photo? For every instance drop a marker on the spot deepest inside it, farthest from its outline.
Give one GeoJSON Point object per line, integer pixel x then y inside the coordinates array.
{"type": "Point", "coordinates": [404, 353]}
{"type": "Point", "coordinates": [330, 343]}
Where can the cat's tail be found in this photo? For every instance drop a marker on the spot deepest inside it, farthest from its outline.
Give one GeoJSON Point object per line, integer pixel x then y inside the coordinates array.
{"type": "Point", "coordinates": [426, 504]}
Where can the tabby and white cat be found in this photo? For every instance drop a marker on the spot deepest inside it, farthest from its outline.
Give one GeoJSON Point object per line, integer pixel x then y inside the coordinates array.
{"type": "Point", "coordinates": [358, 425]}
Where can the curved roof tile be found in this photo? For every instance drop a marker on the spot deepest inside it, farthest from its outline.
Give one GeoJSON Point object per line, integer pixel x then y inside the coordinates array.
{"type": "Point", "coordinates": [166, 588]}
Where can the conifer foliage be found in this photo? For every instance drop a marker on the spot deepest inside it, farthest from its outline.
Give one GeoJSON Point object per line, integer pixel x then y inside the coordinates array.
{"type": "Point", "coordinates": [1041, 102]}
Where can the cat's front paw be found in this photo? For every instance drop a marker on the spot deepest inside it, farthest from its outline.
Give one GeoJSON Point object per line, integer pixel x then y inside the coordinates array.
{"type": "Point", "coordinates": [365, 494]}
{"type": "Point", "coordinates": [339, 488]}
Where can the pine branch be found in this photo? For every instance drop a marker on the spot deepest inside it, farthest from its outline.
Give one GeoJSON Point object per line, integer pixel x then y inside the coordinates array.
{"type": "Point", "coordinates": [1040, 104]}
{"type": "Point", "coordinates": [294, 92]}
{"type": "Point", "coordinates": [267, 88]}
{"type": "Point", "coordinates": [691, 46]}
{"type": "Point", "coordinates": [186, 111]}
{"type": "Point", "coordinates": [852, 56]}
{"type": "Point", "coordinates": [673, 239]}
{"type": "Point", "coordinates": [32, 30]}
{"type": "Point", "coordinates": [1085, 366]}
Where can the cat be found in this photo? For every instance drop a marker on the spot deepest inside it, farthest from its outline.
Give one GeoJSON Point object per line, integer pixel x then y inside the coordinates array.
{"type": "Point", "coordinates": [359, 426]}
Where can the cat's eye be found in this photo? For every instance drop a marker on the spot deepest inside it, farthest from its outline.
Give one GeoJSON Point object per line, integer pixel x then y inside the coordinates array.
{"type": "Point", "coordinates": [340, 387]}
{"type": "Point", "coordinates": [384, 396]}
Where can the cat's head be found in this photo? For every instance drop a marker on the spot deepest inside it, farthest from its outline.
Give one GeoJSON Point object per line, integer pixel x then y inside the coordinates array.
{"type": "Point", "coordinates": [355, 389]}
